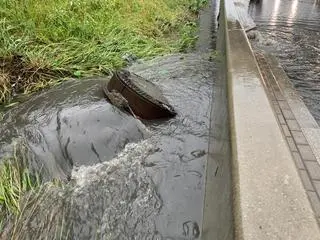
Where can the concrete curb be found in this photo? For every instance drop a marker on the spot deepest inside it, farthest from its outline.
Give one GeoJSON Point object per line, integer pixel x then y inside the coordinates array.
{"type": "Point", "coordinates": [269, 199]}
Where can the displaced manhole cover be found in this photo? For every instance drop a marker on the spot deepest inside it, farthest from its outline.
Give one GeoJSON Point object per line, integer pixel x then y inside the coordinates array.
{"type": "Point", "coordinates": [145, 99]}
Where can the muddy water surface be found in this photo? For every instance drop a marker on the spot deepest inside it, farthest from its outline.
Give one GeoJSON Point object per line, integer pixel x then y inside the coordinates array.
{"type": "Point", "coordinates": [178, 170]}
{"type": "Point", "coordinates": [68, 126]}
{"type": "Point", "coordinates": [153, 189]}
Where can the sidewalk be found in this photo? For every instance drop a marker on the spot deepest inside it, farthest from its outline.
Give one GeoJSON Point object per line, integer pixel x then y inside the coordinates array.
{"type": "Point", "coordinates": [299, 128]}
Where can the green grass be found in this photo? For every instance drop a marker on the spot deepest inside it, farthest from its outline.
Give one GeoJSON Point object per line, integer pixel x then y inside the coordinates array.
{"type": "Point", "coordinates": [15, 181]}
{"type": "Point", "coordinates": [58, 38]}
{"type": "Point", "coordinates": [21, 193]}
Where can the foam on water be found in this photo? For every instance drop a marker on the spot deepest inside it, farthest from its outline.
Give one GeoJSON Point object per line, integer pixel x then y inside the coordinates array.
{"type": "Point", "coordinates": [123, 193]}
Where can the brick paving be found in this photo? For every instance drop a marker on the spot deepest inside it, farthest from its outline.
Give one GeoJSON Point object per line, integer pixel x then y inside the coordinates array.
{"type": "Point", "coordinates": [305, 160]}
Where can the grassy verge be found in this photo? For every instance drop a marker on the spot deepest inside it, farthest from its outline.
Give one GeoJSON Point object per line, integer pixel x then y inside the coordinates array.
{"type": "Point", "coordinates": [22, 194]}
{"type": "Point", "coordinates": [15, 181]}
{"type": "Point", "coordinates": [42, 40]}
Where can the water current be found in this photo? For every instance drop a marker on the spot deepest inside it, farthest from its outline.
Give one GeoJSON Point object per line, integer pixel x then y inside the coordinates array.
{"type": "Point", "coordinates": [290, 29]}
{"type": "Point", "coordinates": [153, 189]}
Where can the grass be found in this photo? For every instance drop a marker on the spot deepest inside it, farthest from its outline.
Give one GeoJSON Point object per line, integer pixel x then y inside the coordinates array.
{"type": "Point", "coordinates": [43, 215]}
{"type": "Point", "coordinates": [23, 193]}
{"type": "Point", "coordinates": [63, 38]}
{"type": "Point", "coordinates": [15, 181]}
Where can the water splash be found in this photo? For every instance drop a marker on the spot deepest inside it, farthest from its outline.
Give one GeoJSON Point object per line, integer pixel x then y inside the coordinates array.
{"type": "Point", "coordinates": [110, 200]}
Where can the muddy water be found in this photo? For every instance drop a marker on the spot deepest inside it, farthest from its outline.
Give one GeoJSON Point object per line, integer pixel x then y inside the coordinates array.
{"type": "Point", "coordinates": [68, 126]}
{"type": "Point", "coordinates": [154, 188]}
{"type": "Point", "coordinates": [290, 29]}
{"type": "Point", "coordinates": [208, 27]}
{"type": "Point", "coordinates": [178, 167]}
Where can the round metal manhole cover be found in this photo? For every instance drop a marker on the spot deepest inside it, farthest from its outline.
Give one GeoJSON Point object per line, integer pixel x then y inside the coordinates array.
{"type": "Point", "coordinates": [143, 86]}
{"type": "Point", "coordinates": [145, 98]}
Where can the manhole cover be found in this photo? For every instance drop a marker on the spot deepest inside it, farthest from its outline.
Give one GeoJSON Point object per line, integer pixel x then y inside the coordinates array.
{"type": "Point", "coordinates": [145, 98]}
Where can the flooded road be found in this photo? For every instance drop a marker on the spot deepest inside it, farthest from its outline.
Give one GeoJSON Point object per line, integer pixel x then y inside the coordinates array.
{"type": "Point", "coordinates": [290, 29]}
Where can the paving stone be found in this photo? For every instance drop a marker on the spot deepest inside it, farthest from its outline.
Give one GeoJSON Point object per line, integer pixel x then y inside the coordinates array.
{"type": "Point", "coordinates": [271, 95]}
{"type": "Point", "coordinates": [298, 160]}
{"type": "Point", "coordinates": [315, 203]}
{"type": "Point", "coordinates": [288, 114]}
{"type": "Point", "coordinates": [285, 130]}
{"type": "Point", "coordinates": [284, 105]}
{"type": "Point", "coordinates": [299, 137]}
{"type": "Point", "coordinates": [313, 169]}
{"type": "Point", "coordinates": [281, 119]}
{"type": "Point", "coordinates": [272, 81]}
{"type": "Point", "coordinates": [291, 144]}
{"type": "Point", "coordinates": [306, 152]}
{"type": "Point", "coordinates": [278, 95]}
{"type": "Point", "coordinates": [313, 137]}
{"type": "Point", "coordinates": [306, 180]}
{"type": "Point", "coordinates": [276, 107]}
{"type": "Point", "coordinates": [317, 186]}
{"type": "Point", "coordinates": [293, 125]}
